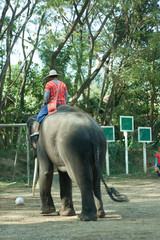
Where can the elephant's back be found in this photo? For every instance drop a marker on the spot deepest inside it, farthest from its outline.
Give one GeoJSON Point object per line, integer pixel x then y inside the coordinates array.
{"type": "Point", "coordinates": [71, 134]}
{"type": "Point", "coordinates": [70, 126]}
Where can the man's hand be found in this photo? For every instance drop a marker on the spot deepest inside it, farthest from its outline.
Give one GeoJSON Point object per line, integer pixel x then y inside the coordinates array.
{"type": "Point", "coordinates": [157, 169]}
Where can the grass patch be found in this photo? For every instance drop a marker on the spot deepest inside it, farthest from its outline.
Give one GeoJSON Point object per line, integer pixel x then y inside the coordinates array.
{"type": "Point", "coordinates": [138, 175]}
{"type": "Point", "coordinates": [7, 184]}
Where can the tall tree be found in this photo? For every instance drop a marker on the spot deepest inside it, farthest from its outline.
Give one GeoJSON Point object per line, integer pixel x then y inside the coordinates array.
{"type": "Point", "coordinates": [70, 31]}
{"type": "Point", "coordinates": [112, 43]}
{"type": "Point", "coordinates": [12, 32]}
{"type": "Point", "coordinates": [153, 67]}
{"type": "Point", "coordinates": [29, 58]}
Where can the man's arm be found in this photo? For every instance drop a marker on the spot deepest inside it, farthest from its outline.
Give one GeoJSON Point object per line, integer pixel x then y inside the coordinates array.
{"type": "Point", "coordinates": [46, 97]}
{"type": "Point", "coordinates": [66, 95]}
{"type": "Point", "coordinates": [156, 160]}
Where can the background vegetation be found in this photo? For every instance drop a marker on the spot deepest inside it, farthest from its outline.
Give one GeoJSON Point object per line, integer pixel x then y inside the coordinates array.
{"type": "Point", "coordinates": [107, 52]}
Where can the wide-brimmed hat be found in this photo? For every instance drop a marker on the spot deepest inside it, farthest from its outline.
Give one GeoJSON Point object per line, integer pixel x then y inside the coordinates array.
{"type": "Point", "coordinates": [53, 73]}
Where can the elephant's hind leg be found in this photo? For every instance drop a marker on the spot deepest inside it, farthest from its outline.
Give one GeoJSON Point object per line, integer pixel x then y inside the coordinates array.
{"type": "Point", "coordinates": [89, 212]}
{"type": "Point", "coordinates": [84, 180]}
{"type": "Point", "coordinates": [66, 195]}
{"type": "Point", "coordinates": [45, 182]}
{"type": "Point", "coordinates": [97, 196]}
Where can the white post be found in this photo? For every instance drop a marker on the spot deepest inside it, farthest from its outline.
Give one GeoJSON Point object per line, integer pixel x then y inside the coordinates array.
{"type": "Point", "coordinates": [107, 160]}
{"type": "Point", "coordinates": [34, 176]}
{"type": "Point", "coordinates": [144, 158]}
{"type": "Point", "coordinates": [28, 157]}
{"type": "Point", "coordinates": [126, 150]}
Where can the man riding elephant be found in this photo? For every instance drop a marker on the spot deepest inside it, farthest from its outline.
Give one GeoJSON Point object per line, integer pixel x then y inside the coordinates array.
{"type": "Point", "coordinates": [72, 141]}
{"type": "Point", "coordinates": [55, 94]}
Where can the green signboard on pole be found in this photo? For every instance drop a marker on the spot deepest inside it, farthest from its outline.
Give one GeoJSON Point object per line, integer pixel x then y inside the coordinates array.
{"type": "Point", "coordinates": [126, 123]}
{"type": "Point", "coordinates": [109, 133]}
{"type": "Point", "coordinates": [144, 134]}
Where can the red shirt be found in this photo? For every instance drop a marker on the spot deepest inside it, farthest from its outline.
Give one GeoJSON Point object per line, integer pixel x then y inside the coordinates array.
{"type": "Point", "coordinates": [52, 87]}
{"type": "Point", "coordinates": [158, 157]}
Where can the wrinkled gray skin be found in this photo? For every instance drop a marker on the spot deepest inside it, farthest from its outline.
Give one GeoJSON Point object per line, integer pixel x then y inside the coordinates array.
{"type": "Point", "coordinates": [71, 141]}
{"type": "Point", "coordinates": [31, 124]}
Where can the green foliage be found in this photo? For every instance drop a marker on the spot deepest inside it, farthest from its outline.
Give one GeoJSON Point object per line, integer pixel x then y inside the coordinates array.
{"type": "Point", "coordinates": [130, 72]}
{"type": "Point", "coordinates": [33, 95]}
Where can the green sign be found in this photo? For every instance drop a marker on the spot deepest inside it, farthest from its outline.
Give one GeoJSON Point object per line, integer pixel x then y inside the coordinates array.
{"type": "Point", "coordinates": [144, 134]}
{"type": "Point", "coordinates": [109, 133]}
{"type": "Point", "coordinates": [126, 123]}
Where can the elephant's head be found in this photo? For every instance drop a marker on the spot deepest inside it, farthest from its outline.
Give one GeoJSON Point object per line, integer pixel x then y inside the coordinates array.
{"type": "Point", "coordinates": [31, 124]}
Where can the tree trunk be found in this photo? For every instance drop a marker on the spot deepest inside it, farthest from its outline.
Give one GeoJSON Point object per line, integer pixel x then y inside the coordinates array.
{"type": "Point", "coordinates": [55, 54]}
{"type": "Point", "coordinates": [29, 62]}
{"type": "Point", "coordinates": [8, 29]}
{"type": "Point", "coordinates": [96, 71]}
{"type": "Point", "coordinates": [152, 75]}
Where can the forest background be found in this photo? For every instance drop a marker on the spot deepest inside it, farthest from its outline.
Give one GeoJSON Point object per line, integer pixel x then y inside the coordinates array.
{"type": "Point", "coordinates": [108, 55]}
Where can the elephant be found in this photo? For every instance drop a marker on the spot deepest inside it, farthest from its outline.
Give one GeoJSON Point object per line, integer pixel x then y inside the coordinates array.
{"type": "Point", "coordinates": [73, 142]}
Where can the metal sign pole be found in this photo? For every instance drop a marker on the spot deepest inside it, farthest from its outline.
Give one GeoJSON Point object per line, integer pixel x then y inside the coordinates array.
{"type": "Point", "coordinates": [110, 137]}
{"type": "Point", "coordinates": [144, 136]}
{"type": "Point", "coordinates": [126, 150]}
{"type": "Point", "coordinates": [144, 157]}
{"type": "Point", "coordinates": [107, 160]}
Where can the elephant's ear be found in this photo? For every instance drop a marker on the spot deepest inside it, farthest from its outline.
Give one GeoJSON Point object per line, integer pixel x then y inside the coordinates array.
{"type": "Point", "coordinates": [34, 142]}
{"type": "Point", "coordinates": [31, 123]}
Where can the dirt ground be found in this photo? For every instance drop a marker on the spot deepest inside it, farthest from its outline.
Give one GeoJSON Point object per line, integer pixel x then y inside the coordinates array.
{"type": "Point", "coordinates": [137, 219]}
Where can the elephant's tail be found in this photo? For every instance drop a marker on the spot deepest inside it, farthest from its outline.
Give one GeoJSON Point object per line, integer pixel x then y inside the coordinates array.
{"type": "Point", "coordinates": [112, 192]}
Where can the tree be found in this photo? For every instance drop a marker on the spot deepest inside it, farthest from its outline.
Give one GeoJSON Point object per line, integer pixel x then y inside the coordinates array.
{"type": "Point", "coordinates": [103, 50]}
{"type": "Point", "coordinates": [11, 28]}
{"type": "Point", "coordinates": [135, 47]}
{"type": "Point", "coordinates": [28, 59]}
{"type": "Point", "coordinates": [70, 31]}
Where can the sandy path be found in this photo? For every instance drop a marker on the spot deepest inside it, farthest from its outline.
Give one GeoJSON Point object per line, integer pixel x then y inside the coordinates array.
{"type": "Point", "coordinates": [137, 219]}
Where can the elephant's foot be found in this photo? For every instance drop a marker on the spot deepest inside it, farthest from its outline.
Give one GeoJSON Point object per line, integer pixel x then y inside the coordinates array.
{"type": "Point", "coordinates": [48, 210]}
{"type": "Point", "coordinates": [101, 214]}
{"type": "Point", "coordinates": [67, 212]}
{"type": "Point", "coordinates": [47, 204]}
{"type": "Point", "coordinates": [90, 217]}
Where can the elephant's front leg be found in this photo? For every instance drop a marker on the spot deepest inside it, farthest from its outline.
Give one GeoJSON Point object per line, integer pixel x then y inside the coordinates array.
{"type": "Point", "coordinates": [45, 183]}
{"type": "Point", "coordinates": [66, 195]}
